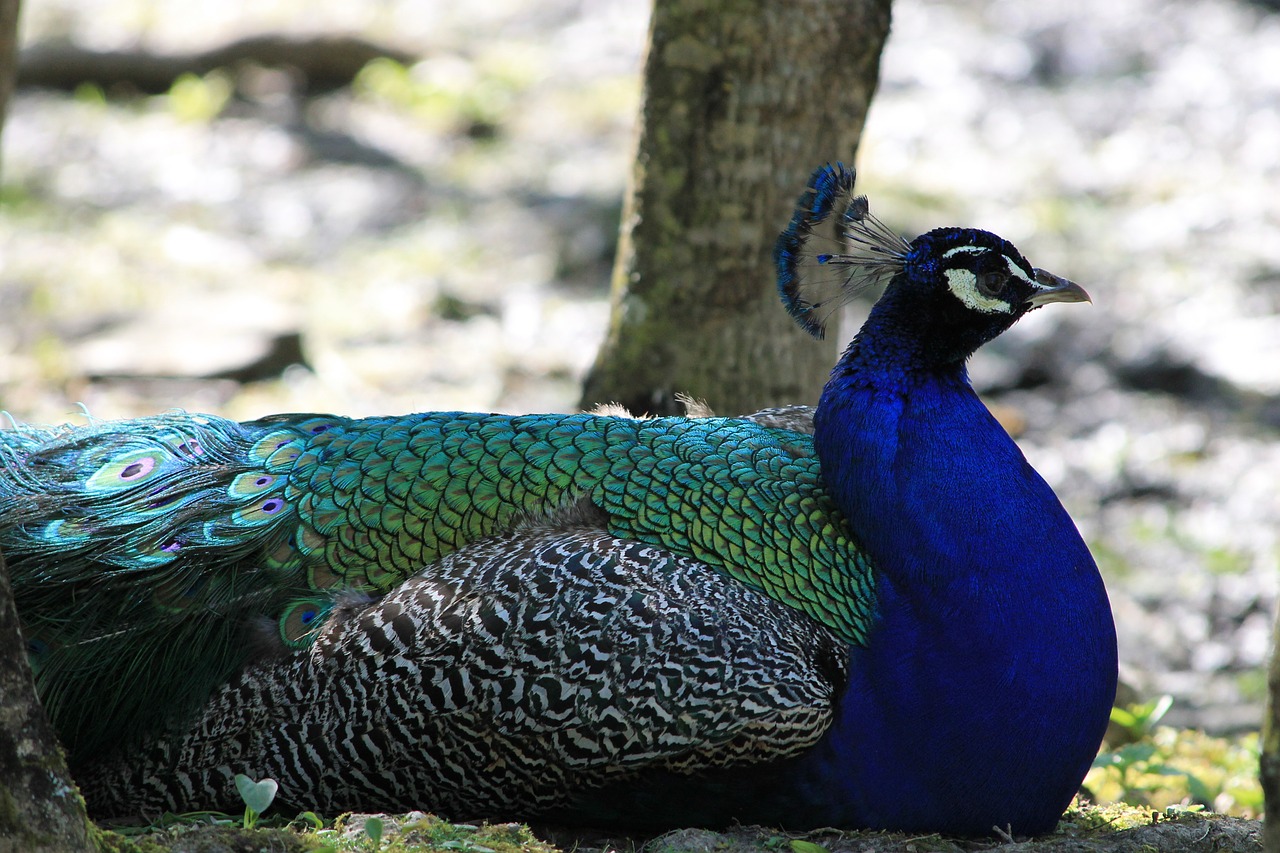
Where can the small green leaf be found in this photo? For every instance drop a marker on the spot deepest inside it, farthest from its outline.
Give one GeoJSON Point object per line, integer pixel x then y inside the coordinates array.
{"type": "Point", "coordinates": [1158, 710]}
{"type": "Point", "coordinates": [798, 846]}
{"type": "Point", "coordinates": [200, 99]}
{"type": "Point", "coordinates": [1106, 759]}
{"type": "Point", "coordinates": [256, 795]}
{"type": "Point", "coordinates": [373, 829]}
{"type": "Point", "coordinates": [1121, 717]}
{"type": "Point", "coordinates": [1132, 753]}
{"type": "Point", "coordinates": [1163, 770]}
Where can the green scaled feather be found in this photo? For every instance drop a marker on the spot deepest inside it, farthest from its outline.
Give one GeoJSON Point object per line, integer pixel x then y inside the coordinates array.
{"type": "Point", "coordinates": [143, 553]}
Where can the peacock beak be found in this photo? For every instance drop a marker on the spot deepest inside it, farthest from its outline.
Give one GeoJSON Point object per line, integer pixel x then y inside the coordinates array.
{"type": "Point", "coordinates": [1052, 288]}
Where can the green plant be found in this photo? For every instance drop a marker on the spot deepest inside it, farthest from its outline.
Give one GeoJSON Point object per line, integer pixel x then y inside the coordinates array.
{"type": "Point", "coordinates": [307, 821]}
{"type": "Point", "coordinates": [373, 829]}
{"type": "Point", "coordinates": [200, 99]}
{"type": "Point", "coordinates": [1134, 765]}
{"type": "Point", "coordinates": [800, 846]}
{"type": "Point", "coordinates": [1138, 720]}
{"type": "Point", "coordinates": [257, 797]}
{"type": "Point", "coordinates": [1171, 767]}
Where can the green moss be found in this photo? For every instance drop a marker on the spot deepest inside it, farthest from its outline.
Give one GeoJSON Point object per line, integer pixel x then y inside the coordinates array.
{"type": "Point", "coordinates": [204, 838]}
{"type": "Point", "coordinates": [15, 826]}
{"type": "Point", "coordinates": [106, 841]}
{"type": "Point", "coordinates": [1090, 819]}
{"type": "Point", "coordinates": [421, 832]}
{"type": "Point", "coordinates": [1091, 827]}
{"type": "Point", "coordinates": [9, 819]}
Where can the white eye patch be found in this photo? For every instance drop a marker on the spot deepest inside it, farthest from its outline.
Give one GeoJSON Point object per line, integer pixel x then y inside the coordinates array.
{"type": "Point", "coordinates": [964, 284]}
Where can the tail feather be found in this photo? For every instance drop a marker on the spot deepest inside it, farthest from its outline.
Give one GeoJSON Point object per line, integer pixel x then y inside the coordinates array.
{"type": "Point", "coordinates": [135, 560]}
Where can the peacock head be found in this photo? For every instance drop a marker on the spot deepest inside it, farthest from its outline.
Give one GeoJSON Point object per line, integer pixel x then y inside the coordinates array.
{"type": "Point", "coordinates": [952, 289]}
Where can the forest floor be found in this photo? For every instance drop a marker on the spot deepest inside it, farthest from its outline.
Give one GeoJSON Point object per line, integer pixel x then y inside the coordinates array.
{"type": "Point", "coordinates": [1091, 830]}
{"type": "Point", "coordinates": [440, 237]}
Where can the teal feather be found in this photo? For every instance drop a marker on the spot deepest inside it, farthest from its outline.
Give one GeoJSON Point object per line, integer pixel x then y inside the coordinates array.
{"type": "Point", "coordinates": [188, 528]}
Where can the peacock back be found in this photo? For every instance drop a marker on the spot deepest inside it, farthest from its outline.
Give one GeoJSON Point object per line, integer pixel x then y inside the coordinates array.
{"type": "Point", "coordinates": [154, 557]}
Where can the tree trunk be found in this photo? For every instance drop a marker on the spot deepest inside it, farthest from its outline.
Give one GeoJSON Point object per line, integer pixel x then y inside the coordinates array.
{"type": "Point", "coordinates": [742, 100]}
{"type": "Point", "coordinates": [40, 808]}
{"type": "Point", "coordinates": [1269, 760]}
{"type": "Point", "coordinates": [8, 53]}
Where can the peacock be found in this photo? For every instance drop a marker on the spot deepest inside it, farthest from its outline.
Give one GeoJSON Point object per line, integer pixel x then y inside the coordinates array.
{"type": "Point", "coordinates": [872, 614]}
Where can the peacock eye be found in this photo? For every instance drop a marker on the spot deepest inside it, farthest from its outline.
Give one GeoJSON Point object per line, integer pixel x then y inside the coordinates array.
{"type": "Point", "coordinates": [991, 283]}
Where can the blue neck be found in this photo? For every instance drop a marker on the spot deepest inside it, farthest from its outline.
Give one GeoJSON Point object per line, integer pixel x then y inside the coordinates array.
{"type": "Point", "coordinates": [984, 690]}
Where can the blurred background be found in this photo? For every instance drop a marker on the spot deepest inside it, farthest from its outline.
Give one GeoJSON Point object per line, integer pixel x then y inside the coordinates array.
{"type": "Point", "coordinates": [438, 234]}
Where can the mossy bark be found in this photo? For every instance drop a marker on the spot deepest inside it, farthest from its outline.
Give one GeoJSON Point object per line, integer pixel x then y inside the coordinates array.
{"type": "Point", "coordinates": [40, 808]}
{"type": "Point", "coordinates": [742, 99]}
{"type": "Point", "coordinates": [1269, 760]}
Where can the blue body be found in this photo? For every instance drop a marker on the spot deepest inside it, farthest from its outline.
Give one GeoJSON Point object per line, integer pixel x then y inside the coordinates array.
{"type": "Point", "coordinates": [986, 681]}
{"type": "Point", "coordinates": [986, 685]}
